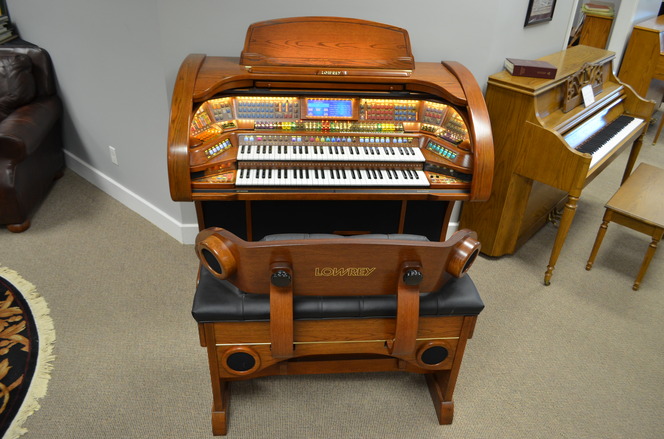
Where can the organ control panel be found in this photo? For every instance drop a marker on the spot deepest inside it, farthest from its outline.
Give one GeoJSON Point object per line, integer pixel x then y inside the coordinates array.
{"type": "Point", "coordinates": [322, 141]}
{"type": "Point", "coordinates": [335, 113]}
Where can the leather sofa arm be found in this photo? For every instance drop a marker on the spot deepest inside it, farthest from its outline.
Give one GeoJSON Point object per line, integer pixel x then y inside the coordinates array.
{"type": "Point", "coordinates": [22, 131]}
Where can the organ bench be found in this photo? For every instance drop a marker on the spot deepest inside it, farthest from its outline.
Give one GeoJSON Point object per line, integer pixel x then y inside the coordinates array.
{"type": "Point", "coordinates": [304, 304]}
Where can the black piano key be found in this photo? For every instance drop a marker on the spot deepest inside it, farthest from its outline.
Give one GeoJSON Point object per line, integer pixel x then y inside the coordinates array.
{"type": "Point", "coordinates": [595, 142]}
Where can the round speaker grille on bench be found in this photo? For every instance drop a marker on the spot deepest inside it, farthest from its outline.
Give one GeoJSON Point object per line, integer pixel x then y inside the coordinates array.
{"type": "Point", "coordinates": [241, 360]}
{"type": "Point", "coordinates": [212, 261]}
{"type": "Point", "coordinates": [434, 355]}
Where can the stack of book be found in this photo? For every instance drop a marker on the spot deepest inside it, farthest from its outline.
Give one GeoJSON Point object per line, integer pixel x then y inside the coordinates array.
{"type": "Point", "coordinates": [7, 29]}
{"type": "Point", "coordinates": [530, 67]}
{"type": "Point", "coordinates": [598, 8]}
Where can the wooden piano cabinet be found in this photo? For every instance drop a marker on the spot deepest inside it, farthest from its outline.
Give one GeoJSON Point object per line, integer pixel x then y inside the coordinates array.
{"type": "Point", "coordinates": [643, 60]}
{"type": "Point", "coordinates": [539, 174]}
{"type": "Point", "coordinates": [595, 31]}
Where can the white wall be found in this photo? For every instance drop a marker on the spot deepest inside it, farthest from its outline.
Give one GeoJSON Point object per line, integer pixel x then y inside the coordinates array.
{"type": "Point", "coordinates": [630, 12]}
{"type": "Point", "coordinates": [116, 62]}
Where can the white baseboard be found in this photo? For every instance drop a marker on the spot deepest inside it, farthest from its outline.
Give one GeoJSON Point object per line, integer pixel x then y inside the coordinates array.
{"type": "Point", "coordinates": [185, 233]}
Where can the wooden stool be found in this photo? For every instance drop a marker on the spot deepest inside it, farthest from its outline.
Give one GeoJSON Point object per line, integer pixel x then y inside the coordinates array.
{"type": "Point", "coordinates": [639, 205]}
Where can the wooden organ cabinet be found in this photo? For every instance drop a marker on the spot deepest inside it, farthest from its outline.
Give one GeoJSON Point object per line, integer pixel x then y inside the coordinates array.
{"type": "Point", "coordinates": [550, 144]}
{"type": "Point", "coordinates": [327, 125]}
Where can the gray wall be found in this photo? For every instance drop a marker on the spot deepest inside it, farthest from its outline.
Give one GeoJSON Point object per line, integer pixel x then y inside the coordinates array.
{"type": "Point", "coordinates": [116, 62]}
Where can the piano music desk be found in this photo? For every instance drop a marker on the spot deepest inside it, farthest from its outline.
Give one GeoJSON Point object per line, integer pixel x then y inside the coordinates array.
{"type": "Point", "coordinates": [637, 204]}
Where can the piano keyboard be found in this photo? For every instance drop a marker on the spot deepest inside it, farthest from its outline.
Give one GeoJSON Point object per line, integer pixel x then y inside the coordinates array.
{"type": "Point", "coordinates": [331, 177]}
{"type": "Point", "coordinates": [603, 142]}
{"type": "Point", "coordinates": [407, 154]}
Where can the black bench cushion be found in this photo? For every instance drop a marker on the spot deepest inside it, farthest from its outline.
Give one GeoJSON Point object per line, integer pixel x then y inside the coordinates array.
{"type": "Point", "coordinates": [220, 301]}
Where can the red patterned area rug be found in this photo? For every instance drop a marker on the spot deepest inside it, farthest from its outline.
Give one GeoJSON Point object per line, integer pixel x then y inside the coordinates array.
{"type": "Point", "coordinates": [26, 344]}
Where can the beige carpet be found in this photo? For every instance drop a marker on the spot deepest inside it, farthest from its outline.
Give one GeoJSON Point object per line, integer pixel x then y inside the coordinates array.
{"type": "Point", "coordinates": [582, 358]}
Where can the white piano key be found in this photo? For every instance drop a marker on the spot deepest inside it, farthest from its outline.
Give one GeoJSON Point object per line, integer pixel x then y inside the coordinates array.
{"type": "Point", "coordinates": [327, 153]}
{"type": "Point", "coordinates": [614, 141]}
{"type": "Point", "coordinates": [331, 177]}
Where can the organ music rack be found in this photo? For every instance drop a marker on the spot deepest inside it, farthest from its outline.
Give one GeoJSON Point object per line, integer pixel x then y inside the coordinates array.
{"type": "Point", "coordinates": [334, 112]}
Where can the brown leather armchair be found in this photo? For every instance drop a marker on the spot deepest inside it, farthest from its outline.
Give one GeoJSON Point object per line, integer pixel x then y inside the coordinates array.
{"type": "Point", "coordinates": [31, 154]}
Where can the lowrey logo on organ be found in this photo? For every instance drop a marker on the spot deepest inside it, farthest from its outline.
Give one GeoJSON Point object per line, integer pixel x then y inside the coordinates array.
{"type": "Point", "coordinates": [350, 271]}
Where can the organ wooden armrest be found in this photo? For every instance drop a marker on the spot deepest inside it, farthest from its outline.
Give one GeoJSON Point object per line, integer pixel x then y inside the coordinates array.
{"type": "Point", "coordinates": [281, 310]}
{"type": "Point", "coordinates": [481, 131]}
{"type": "Point", "coordinates": [408, 302]}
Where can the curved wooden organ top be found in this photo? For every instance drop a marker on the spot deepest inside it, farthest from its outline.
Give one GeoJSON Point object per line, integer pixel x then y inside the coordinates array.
{"type": "Point", "coordinates": [327, 108]}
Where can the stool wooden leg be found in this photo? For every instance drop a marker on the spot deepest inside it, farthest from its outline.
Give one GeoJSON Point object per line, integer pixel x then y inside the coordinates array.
{"type": "Point", "coordinates": [600, 237]}
{"type": "Point", "coordinates": [657, 236]}
{"type": "Point", "coordinates": [659, 129]}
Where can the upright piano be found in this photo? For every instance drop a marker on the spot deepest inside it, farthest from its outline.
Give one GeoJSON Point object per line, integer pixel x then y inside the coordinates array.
{"type": "Point", "coordinates": [550, 143]}
{"type": "Point", "coordinates": [327, 125]}
{"type": "Point", "coordinates": [644, 56]}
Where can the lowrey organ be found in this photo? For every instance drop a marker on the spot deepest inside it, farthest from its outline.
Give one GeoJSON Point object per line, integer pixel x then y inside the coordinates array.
{"type": "Point", "coordinates": [327, 124]}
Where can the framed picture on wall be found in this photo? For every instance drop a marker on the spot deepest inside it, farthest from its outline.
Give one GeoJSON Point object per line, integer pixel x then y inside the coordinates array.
{"type": "Point", "coordinates": [539, 11]}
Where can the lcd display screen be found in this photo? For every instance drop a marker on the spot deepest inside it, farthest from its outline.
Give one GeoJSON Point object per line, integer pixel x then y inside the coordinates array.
{"type": "Point", "coordinates": [332, 108]}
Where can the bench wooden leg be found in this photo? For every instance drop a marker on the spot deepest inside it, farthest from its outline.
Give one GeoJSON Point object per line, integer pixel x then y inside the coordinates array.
{"type": "Point", "coordinates": [437, 383]}
{"type": "Point", "coordinates": [220, 410]}
{"type": "Point", "coordinates": [646, 260]}
{"type": "Point", "coordinates": [598, 240]}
